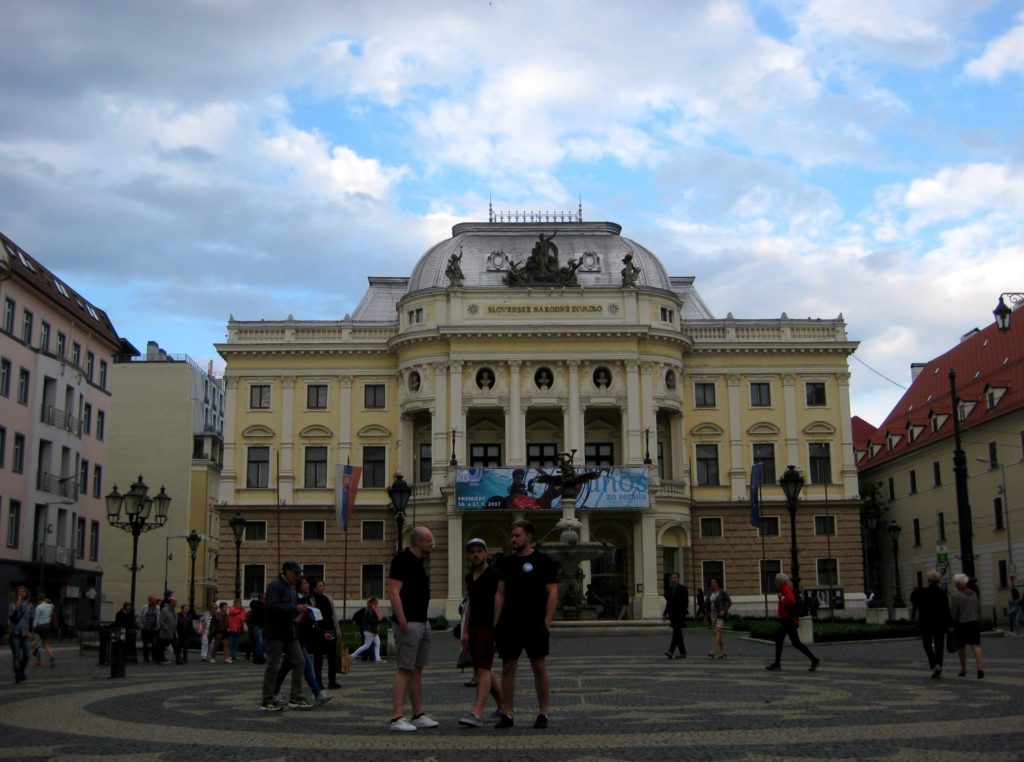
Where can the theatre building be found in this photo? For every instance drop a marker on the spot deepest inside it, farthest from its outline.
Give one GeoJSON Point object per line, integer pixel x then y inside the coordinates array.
{"type": "Point", "coordinates": [509, 344]}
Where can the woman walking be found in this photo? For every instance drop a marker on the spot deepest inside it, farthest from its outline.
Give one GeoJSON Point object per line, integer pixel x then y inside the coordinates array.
{"type": "Point", "coordinates": [371, 630]}
{"type": "Point", "coordinates": [43, 631]}
{"type": "Point", "coordinates": [965, 611]}
{"type": "Point", "coordinates": [1016, 611]}
{"type": "Point", "coordinates": [719, 603]}
{"type": "Point", "coordinates": [21, 629]}
{"type": "Point", "coordinates": [933, 621]}
{"type": "Point", "coordinates": [789, 624]}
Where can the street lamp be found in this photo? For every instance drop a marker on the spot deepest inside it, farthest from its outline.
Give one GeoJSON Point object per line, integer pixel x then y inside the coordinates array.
{"type": "Point", "coordinates": [138, 517]}
{"type": "Point", "coordinates": [870, 516]}
{"type": "Point", "coordinates": [791, 483]}
{"type": "Point", "coordinates": [1002, 312]}
{"type": "Point", "coordinates": [237, 524]}
{"type": "Point", "coordinates": [193, 540]}
{"type": "Point", "coordinates": [894, 530]}
{"type": "Point", "coordinates": [963, 501]}
{"type": "Point", "coordinates": [399, 493]}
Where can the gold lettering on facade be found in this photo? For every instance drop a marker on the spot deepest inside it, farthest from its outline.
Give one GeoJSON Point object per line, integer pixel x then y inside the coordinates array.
{"type": "Point", "coordinates": [538, 309]}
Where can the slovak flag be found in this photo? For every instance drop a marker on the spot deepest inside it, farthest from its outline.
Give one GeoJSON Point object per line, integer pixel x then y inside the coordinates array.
{"type": "Point", "coordinates": [346, 484]}
{"type": "Point", "coordinates": [756, 474]}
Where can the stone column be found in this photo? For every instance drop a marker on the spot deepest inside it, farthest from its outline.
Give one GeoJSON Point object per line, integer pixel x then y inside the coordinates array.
{"type": "Point", "coordinates": [456, 565]}
{"type": "Point", "coordinates": [456, 416]}
{"type": "Point", "coordinates": [286, 475]}
{"type": "Point", "coordinates": [737, 473]}
{"type": "Point", "coordinates": [634, 416]}
{"type": "Point", "coordinates": [847, 463]}
{"type": "Point", "coordinates": [345, 419]}
{"type": "Point", "coordinates": [574, 436]}
{"type": "Point", "coordinates": [515, 425]}
{"type": "Point", "coordinates": [792, 434]}
{"type": "Point", "coordinates": [228, 474]}
{"type": "Point", "coordinates": [440, 437]}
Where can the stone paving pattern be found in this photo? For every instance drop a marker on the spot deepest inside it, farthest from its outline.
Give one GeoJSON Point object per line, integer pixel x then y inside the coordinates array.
{"type": "Point", "coordinates": [614, 697]}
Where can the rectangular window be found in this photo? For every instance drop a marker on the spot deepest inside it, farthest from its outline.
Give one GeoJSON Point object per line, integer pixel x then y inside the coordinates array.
{"type": "Point", "coordinates": [373, 467]}
{"type": "Point", "coordinates": [815, 393]}
{"type": "Point", "coordinates": [828, 572]}
{"type": "Point", "coordinates": [103, 374]}
{"type": "Point", "coordinates": [26, 327]}
{"type": "Point", "coordinates": [254, 582]}
{"type": "Point", "coordinates": [997, 508]}
{"type": "Point", "coordinates": [257, 473]}
{"type": "Point", "coordinates": [372, 581]}
{"type": "Point", "coordinates": [255, 531]}
{"type": "Point", "coordinates": [372, 530]}
{"type": "Point", "coordinates": [917, 533]}
{"type": "Point", "coordinates": [18, 454]}
{"type": "Point", "coordinates": [769, 568]}
{"type": "Point", "coordinates": [373, 396]}
{"type": "Point", "coordinates": [90, 362]}
{"type": "Point", "coordinates": [62, 345]}
{"type": "Point", "coordinates": [892, 488]}
{"type": "Point", "coordinates": [825, 525]}
{"type": "Point", "coordinates": [316, 396]}
{"type": "Point", "coordinates": [13, 523]}
{"type": "Point", "coordinates": [711, 526]}
{"type": "Point", "coordinates": [83, 476]}
{"type": "Point", "coordinates": [425, 465]}
{"type": "Point", "coordinates": [3, 446]}
{"type": "Point", "coordinates": [821, 462]}
{"type": "Point", "coordinates": [313, 572]}
{"type": "Point", "coordinates": [993, 455]}
{"type": "Point", "coordinates": [9, 308]}
{"type": "Point", "coordinates": [940, 520]}
{"type": "Point", "coordinates": [667, 315]}
{"type": "Point", "coordinates": [316, 467]}
{"type": "Point", "coordinates": [44, 336]}
{"type": "Point", "coordinates": [1004, 580]}
{"type": "Point", "coordinates": [80, 538]}
{"type": "Point", "coordinates": [707, 465]}
{"type": "Point", "coordinates": [599, 454]}
{"type": "Point", "coordinates": [485, 456]}
{"type": "Point", "coordinates": [714, 569]}
{"type": "Point", "coordinates": [76, 354]}
{"type": "Point", "coordinates": [936, 474]}
{"type": "Point", "coordinates": [760, 394]}
{"type": "Point", "coordinates": [913, 482]}
{"type": "Point", "coordinates": [314, 531]}
{"type": "Point", "coordinates": [101, 424]}
{"type": "Point", "coordinates": [87, 418]}
{"type": "Point", "coordinates": [704, 395]}
{"type": "Point", "coordinates": [660, 459]}
{"type": "Point", "coordinates": [5, 377]}
{"type": "Point", "coordinates": [259, 397]}
{"type": "Point", "coordinates": [541, 455]}
{"type": "Point", "coordinates": [97, 481]}
{"type": "Point", "coordinates": [765, 455]}
{"type": "Point", "coordinates": [769, 526]}
{"type": "Point", "coordinates": [23, 386]}
{"type": "Point", "coordinates": [94, 541]}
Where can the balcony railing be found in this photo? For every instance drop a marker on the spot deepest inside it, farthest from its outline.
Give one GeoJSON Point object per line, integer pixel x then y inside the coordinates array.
{"type": "Point", "coordinates": [62, 420]}
{"type": "Point", "coordinates": [58, 555]}
{"type": "Point", "coordinates": [65, 486]}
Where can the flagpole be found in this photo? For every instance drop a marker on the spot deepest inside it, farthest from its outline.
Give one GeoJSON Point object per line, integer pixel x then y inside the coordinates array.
{"type": "Point", "coordinates": [760, 518]}
{"type": "Point", "coordinates": [344, 597]}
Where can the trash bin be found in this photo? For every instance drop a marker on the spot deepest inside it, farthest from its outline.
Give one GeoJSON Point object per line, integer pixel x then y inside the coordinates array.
{"type": "Point", "coordinates": [104, 632]}
{"type": "Point", "coordinates": [117, 648]}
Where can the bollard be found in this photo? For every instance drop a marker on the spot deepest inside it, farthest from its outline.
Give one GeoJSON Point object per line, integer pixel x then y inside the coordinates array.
{"type": "Point", "coordinates": [117, 647]}
{"type": "Point", "coordinates": [104, 634]}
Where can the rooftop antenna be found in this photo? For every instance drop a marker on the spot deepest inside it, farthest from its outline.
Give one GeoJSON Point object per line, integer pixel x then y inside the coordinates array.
{"type": "Point", "coordinates": [490, 209]}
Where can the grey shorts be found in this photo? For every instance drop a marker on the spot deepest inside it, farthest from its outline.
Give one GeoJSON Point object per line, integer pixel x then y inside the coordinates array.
{"type": "Point", "coordinates": [414, 646]}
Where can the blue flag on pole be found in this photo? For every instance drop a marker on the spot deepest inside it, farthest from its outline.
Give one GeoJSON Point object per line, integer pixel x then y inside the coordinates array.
{"type": "Point", "coordinates": [346, 484]}
{"type": "Point", "coordinates": [756, 474]}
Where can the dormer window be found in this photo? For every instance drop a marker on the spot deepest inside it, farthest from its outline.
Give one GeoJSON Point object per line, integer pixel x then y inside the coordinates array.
{"type": "Point", "coordinates": [892, 440]}
{"type": "Point", "coordinates": [964, 409]}
{"type": "Point", "coordinates": [60, 287]}
{"type": "Point", "coordinates": [992, 396]}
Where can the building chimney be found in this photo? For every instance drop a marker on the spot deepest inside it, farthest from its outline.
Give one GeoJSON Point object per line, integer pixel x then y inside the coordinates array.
{"type": "Point", "coordinates": [915, 370]}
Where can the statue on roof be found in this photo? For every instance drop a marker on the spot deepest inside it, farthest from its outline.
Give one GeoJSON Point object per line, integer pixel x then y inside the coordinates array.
{"type": "Point", "coordinates": [629, 271]}
{"type": "Point", "coordinates": [454, 270]}
{"type": "Point", "coordinates": [541, 268]}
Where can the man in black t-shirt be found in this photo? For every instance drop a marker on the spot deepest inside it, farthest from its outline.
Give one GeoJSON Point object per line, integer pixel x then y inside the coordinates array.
{"type": "Point", "coordinates": [409, 593]}
{"type": "Point", "coordinates": [524, 611]}
{"type": "Point", "coordinates": [478, 628]}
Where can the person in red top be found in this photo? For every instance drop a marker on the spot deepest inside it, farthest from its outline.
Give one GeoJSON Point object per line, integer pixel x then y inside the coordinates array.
{"type": "Point", "coordinates": [788, 625]}
{"type": "Point", "coordinates": [236, 624]}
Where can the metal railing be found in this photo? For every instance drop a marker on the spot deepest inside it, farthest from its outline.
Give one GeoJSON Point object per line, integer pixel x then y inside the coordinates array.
{"type": "Point", "coordinates": [62, 420]}
{"type": "Point", "coordinates": [58, 555]}
{"type": "Point", "coordinates": [65, 486]}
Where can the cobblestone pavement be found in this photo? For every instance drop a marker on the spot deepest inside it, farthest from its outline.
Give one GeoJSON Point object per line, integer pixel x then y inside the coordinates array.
{"type": "Point", "coordinates": [614, 696]}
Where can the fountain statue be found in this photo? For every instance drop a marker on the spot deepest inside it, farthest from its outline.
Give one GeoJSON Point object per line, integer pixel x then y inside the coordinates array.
{"type": "Point", "coordinates": [568, 551]}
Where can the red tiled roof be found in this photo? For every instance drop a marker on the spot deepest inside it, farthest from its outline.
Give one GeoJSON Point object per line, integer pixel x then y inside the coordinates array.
{"type": "Point", "coordinates": [35, 276]}
{"type": "Point", "coordinates": [985, 359]}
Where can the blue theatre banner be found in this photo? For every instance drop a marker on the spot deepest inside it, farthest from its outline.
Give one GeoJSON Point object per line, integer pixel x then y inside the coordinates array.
{"type": "Point", "coordinates": [532, 489]}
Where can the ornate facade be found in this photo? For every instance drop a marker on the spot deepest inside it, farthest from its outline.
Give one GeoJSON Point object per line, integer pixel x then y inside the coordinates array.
{"type": "Point", "coordinates": [512, 342]}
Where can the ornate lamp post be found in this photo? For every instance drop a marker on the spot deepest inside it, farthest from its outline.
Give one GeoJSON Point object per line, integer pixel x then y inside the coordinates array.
{"type": "Point", "coordinates": [138, 517]}
{"type": "Point", "coordinates": [870, 516]}
{"type": "Point", "coordinates": [237, 524]}
{"type": "Point", "coordinates": [792, 482]}
{"type": "Point", "coordinates": [193, 540]}
{"type": "Point", "coordinates": [963, 501]}
{"type": "Point", "coordinates": [1003, 312]}
{"type": "Point", "coordinates": [894, 530]}
{"type": "Point", "coordinates": [399, 493]}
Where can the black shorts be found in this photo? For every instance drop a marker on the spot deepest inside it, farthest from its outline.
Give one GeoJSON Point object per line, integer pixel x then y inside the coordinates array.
{"type": "Point", "coordinates": [481, 647]}
{"type": "Point", "coordinates": [968, 633]}
{"type": "Point", "coordinates": [513, 640]}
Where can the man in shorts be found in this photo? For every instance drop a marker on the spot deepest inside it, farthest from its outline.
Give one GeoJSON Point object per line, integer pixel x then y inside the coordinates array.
{"type": "Point", "coordinates": [409, 593]}
{"type": "Point", "coordinates": [478, 628]}
{"type": "Point", "coordinates": [524, 611]}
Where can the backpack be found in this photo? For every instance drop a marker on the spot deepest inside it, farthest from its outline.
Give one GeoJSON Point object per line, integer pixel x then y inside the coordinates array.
{"type": "Point", "coordinates": [359, 617]}
{"type": "Point", "coordinates": [798, 608]}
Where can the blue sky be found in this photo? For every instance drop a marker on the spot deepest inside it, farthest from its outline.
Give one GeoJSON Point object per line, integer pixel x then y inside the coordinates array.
{"type": "Point", "coordinates": [179, 163]}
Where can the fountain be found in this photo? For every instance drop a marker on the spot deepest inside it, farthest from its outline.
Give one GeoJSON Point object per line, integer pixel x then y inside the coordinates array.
{"type": "Point", "coordinates": [568, 551]}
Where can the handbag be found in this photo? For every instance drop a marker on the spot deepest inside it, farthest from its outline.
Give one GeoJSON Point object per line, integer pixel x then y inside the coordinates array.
{"type": "Point", "coordinates": [465, 659]}
{"type": "Point", "coordinates": [952, 642]}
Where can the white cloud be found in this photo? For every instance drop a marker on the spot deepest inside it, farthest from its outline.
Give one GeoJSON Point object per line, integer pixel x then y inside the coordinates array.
{"type": "Point", "coordinates": [955, 193]}
{"type": "Point", "coordinates": [1002, 55]}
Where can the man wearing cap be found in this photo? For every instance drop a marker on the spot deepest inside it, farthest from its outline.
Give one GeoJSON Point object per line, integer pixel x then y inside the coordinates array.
{"type": "Point", "coordinates": [524, 611]}
{"type": "Point", "coordinates": [149, 621]}
{"type": "Point", "coordinates": [478, 628]}
{"type": "Point", "coordinates": [282, 608]}
{"type": "Point", "coordinates": [409, 593]}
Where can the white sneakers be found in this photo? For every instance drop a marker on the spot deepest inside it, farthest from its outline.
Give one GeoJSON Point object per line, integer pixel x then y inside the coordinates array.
{"type": "Point", "coordinates": [420, 722]}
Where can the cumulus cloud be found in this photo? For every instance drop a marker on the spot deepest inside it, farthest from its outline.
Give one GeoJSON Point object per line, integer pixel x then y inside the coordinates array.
{"type": "Point", "coordinates": [1002, 55]}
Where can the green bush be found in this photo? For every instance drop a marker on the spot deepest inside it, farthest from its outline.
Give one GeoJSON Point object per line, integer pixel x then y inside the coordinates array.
{"type": "Point", "coordinates": [440, 623]}
{"type": "Point", "coordinates": [826, 632]}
